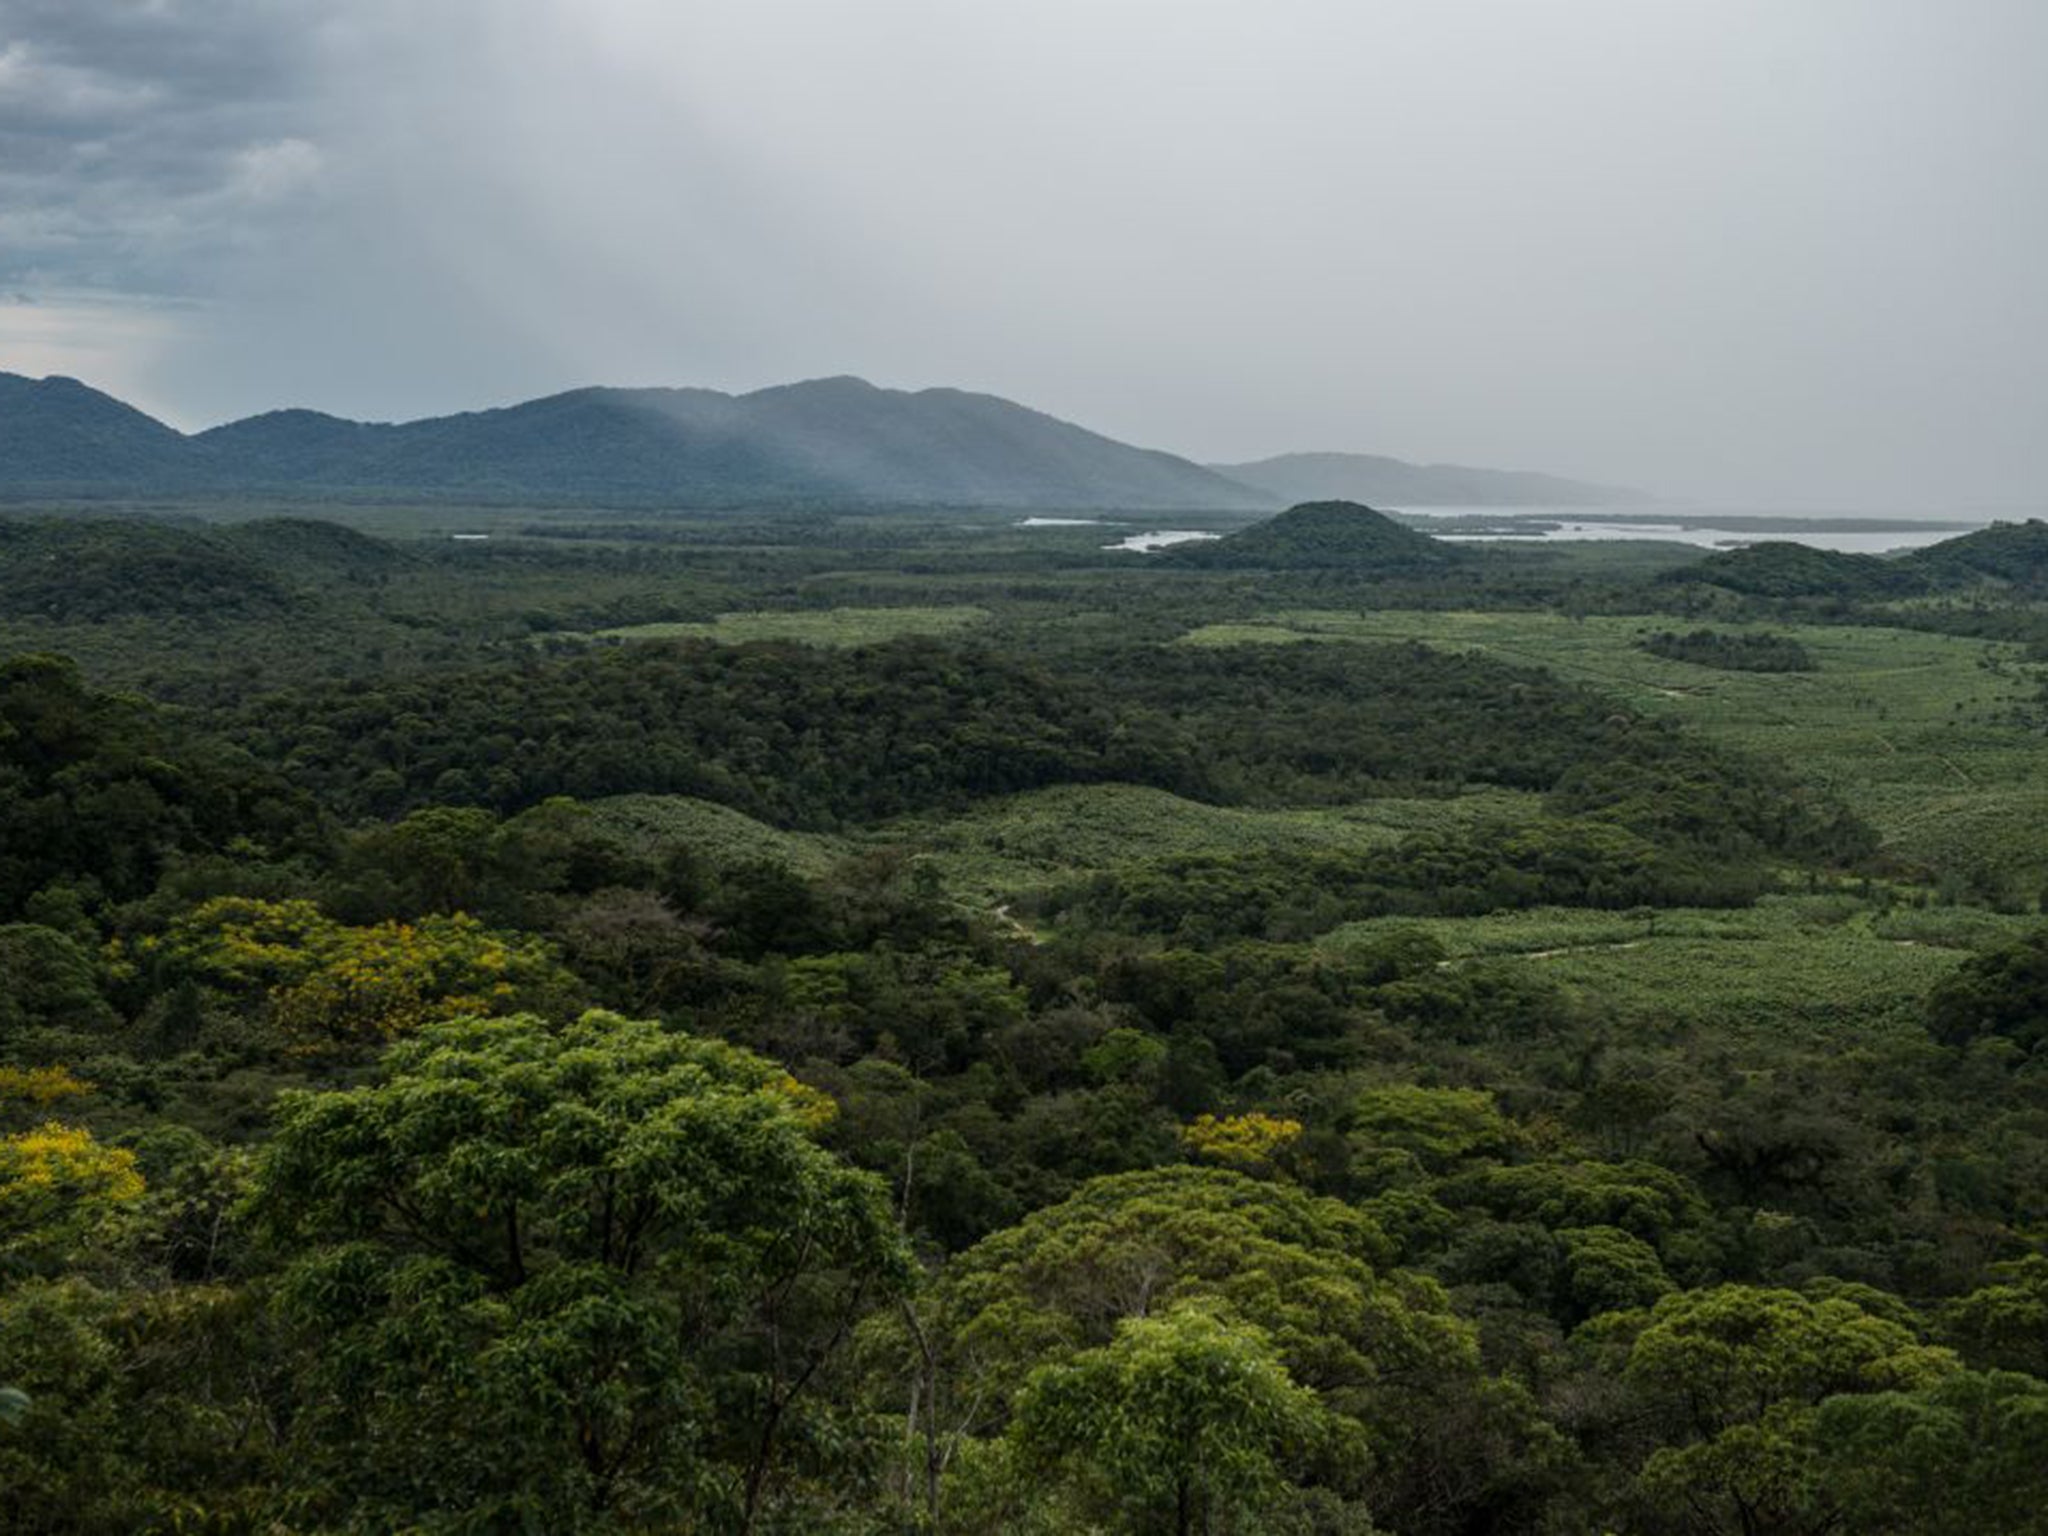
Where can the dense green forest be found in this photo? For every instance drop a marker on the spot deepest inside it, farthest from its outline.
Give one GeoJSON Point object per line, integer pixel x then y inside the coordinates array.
{"type": "Point", "coordinates": [1735, 653]}
{"type": "Point", "coordinates": [878, 1023]}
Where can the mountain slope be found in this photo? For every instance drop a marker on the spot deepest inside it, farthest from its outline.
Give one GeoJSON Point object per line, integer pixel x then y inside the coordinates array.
{"type": "Point", "coordinates": [1782, 568]}
{"type": "Point", "coordinates": [90, 570]}
{"type": "Point", "coordinates": [2013, 553]}
{"type": "Point", "coordinates": [2005, 554]}
{"type": "Point", "coordinates": [97, 569]}
{"type": "Point", "coordinates": [1364, 477]}
{"type": "Point", "coordinates": [58, 434]}
{"type": "Point", "coordinates": [838, 441]}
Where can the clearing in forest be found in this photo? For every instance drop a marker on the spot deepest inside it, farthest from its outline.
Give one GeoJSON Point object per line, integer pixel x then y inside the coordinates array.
{"type": "Point", "coordinates": [1921, 733]}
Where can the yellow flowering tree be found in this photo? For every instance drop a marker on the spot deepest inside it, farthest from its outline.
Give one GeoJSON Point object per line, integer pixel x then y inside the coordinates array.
{"type": "Point", "coordinates": [39, 1086]}
{"type": "Point", "coordinates": [1245, 1142]}
{"type": "Point", "coordinates": [329, 983]}
{"type": "Point", "coordinates": [59, 1185]}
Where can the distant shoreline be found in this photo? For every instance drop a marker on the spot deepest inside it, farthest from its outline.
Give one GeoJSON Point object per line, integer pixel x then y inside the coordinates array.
{"type": "Point", "coordinates": [1737, 522]}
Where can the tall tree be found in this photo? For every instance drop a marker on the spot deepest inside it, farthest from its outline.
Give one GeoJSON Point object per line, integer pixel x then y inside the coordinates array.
{"type": "Point", "coordinates": [572, 1279]}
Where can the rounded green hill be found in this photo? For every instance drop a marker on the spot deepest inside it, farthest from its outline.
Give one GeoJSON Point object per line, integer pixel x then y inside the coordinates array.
{"type": "Point", "coordinates": [1323, 535]}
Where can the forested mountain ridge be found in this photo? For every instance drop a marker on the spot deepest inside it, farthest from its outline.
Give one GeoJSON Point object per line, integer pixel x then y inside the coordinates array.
{"type": "Point", "coordinates": [59, 432]}
{"type": "Point", "coordinates": [837, 441]}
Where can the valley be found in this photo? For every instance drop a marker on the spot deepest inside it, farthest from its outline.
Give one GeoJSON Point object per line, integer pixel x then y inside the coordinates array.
{"type": "Point", "coordinates": [1546, 946]}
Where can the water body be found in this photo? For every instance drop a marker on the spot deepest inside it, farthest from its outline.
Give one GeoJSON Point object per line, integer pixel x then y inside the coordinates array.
{"type": "Point", "coordinates": [1709, 528]}
{"type": "Point", "coordinates": [1147, 542]}
{"type": "Point", "coordinates": [1550, 525]}
{"type": "Point", "coordinates": [1855, 541]}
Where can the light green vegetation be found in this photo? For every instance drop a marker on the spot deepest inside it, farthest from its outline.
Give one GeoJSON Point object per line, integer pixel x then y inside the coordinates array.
{"type": "Point", "coordinates": [722, 837]}
{"type": "Point", "coordinates": [1913, 730]}
{"type": "Point", "coordinates": [830, 626]}
{"type": "Point", "coordinates": [1003, 849]}
{"type": "Point", "coordinates": [1811, 965]}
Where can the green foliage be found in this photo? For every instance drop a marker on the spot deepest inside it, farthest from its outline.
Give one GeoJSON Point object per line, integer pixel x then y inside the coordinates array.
{"type": "Point", "coordinates": [127, 1416]}
{"type": "Point", "coordinates": [786, 733]}
{"type": "Point", "coordinates": [96, 791]}
{"type": "Point", "coordinates": [1182, 1423]}
{"type": "Point", "coordinates": [1012, 849]}
{"type": "Point", "coordinates": [1437, 1126]}
{"type": "Point", "coordinates": [1641, 1198]}
{"type": "Point", "coordinates": [1390, 1366]}
{"type": "Point", "coordinates": [2014, 554]}
{"type": "Point", "coordinates": [1609, 1270]}
{"type": "Point", "coordinates": [2004, 1325]}
{"type": "Point", "coordinates": [86, 572]}
{"type": "Point", "coordinates": [831, 626]}
{"type": "Point", "coordinates": [1956, 1458]}
{"type": "Point", "coordinates": [938, 1009]}
{"type": "Point", "coordinates": [715, 835]}
{"type": "Point", "coordinates": [1634, 1214]}
{"type": "Point", "coordinates": [447, 859]}
{"type": "Point", "coordinates": [1295, 895]}
{"type": "Point", "coordinates": [48, 982]}
{"type": "Point", "coordinates": [1323, 535]}
{"type": "Point", "coordinates": [1791, 966]}
{"type": "Point", "coordinates": [576, 1277]}
{"type": "Point", "coordinates": [2000, 994]}
{"type": "Point", "coordinates": [1731, 652]}
{"type": "Point", "coordinates": [1925, 736]}
{"type": "Point", "coordinates": [1748, 1369]}
{"type": "Point", "coordinates": [1775, 568]}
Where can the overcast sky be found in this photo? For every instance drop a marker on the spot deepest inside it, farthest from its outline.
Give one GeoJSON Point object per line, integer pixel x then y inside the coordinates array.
{"type": "Point", "coordinates": [1779, 252]}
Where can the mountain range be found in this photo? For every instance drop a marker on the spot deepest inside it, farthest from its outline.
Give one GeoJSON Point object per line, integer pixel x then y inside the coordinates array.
{"type": "Point", "coordinates": [1383, 482]}
{"type": "Point", "coordinates": [837, 441]}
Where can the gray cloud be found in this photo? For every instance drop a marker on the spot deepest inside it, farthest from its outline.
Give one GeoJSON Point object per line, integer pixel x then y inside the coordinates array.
{"type": "Point", "coordinates": [136, 138]}
{"type": "Point", "coordinates": [1729, 247]}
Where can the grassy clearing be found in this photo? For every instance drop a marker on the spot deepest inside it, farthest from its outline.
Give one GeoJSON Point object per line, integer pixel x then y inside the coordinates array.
{"type": "Point", "coordinates": [1827, 966]}
{"type": "Point", "coordinates": [830, 626]}
{"type": "Point", "coordinates": [717, 834]}
{"type": "Point", "coordinates": [1911, 729]}
{"type": "Point", "coordinates": [1006, 848]}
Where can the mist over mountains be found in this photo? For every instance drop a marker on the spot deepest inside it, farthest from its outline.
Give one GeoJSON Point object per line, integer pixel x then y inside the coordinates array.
{"type": "Point", "coordinates": [1371, 478]}
{"type": "Point", "coordinates": [836, 441]}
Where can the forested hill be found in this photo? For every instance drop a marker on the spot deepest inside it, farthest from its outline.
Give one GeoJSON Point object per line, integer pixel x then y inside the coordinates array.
{"type": "Point", "coordinates": [58, 432]}
{"type": "Point", "coordinates": [1779, 568]}
{"type": "Point", "coordinates": [2014, 554]}
{"type": "Point", "coordinates": [1395, 482]}
{"type": "Point", "coordinates": [94, 569]}
{"type": "Point", "coordinates": [2005, 554]}
{"type": "Point", "coordinates": [1324, 535]}
{"type": "Point", "coordinates": [835, 441]}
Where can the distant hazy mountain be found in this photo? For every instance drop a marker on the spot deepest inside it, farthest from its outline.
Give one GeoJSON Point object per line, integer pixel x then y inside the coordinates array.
{"type": "Point", "coordinates": [1365, 477]}
{"type": "Point", "coordinates": [835, 441]}
{"type": "Point", "coordinates": [1322, 536]}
